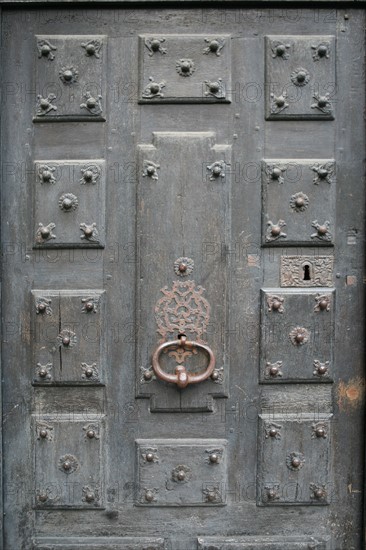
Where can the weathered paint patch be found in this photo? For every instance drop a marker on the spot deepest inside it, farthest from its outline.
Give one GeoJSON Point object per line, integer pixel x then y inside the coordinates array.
{"type": "Point", "coordinates": [350, 394]}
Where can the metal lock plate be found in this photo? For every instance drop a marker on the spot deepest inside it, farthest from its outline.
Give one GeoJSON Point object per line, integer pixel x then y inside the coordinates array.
{"type": "Point", "coordinates": [185, 68]}
{"type": "Point", "coordinates": [70, 77]}
{"type": "Point", "coordinates": [300, 77]}
{"type": "Point", "coordinates": [68, 346]}
{"type": "Point", "coordinates": [69, 204]}
{"type": "Point", "coordinates": [306, 271]}
{"type": "Point", "coordinates": [297, 335]}
{"type": "Point", "coordinates": [293, 460]}
{"type": "Point", "coordinates": [68, 463]}
{"type": "Point", "coordinates": [298, 202]}
{"type": "Point", "coordinates": [181, 472]}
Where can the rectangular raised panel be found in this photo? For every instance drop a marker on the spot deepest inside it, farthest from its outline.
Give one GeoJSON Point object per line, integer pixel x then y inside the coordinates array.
{"type": "Point", "coordinates": [300, 77]}
{"type": "Point", "coordinates": [298, 198]}
{"type": "Point", "coordinates": [185, 68]}
{"type": "Point", "coordinates": [68, 462]}
{"type": "Point", "coordinates": [70, 77]}
{"type": "Point", "coordinates": [185, 178]}
{"type": "Point", "coordinates": [181, 472]}
{"type": "Point", "coordinates": [297, 335]}
{"type": "Point", "coordinates": [69, 203]}
{"type": "Point", "coordinates": [99, 543]}
{"type": "Point", "coordinates": [260, 543]}
{"type": "Point", "coordinates": [68, 343]}
{"type": "Point", "coordinates": [293, 459]}
{"type": "Point", "coordinates": [306, 271]}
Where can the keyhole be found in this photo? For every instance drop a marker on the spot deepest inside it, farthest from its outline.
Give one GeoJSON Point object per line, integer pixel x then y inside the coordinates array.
{"type": "Point", "coordinates": [306, 272]}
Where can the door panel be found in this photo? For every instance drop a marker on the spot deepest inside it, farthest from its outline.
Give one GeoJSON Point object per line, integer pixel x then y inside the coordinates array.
{"type": "Point", "coordinates": [183, 221]}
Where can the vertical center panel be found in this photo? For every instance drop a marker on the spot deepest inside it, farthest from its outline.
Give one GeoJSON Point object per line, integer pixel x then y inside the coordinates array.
{"type": "Point", "coordinates": [182, 204]}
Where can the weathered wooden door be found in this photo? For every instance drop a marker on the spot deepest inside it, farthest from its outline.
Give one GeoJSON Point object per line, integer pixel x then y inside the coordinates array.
{"type": "Point", "coordinates": [183, 245]}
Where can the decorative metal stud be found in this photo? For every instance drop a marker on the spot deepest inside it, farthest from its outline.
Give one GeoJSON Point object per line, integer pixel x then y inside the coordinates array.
{"type": "Point", "coordinates": [271, 493]}
{"type": "Point", "coordinates": [155, 45]}
{"type": "Point", "coordinates": [275, 303]}
{"type": "Point", "coordinates": [44, 431]}
{"type": "Point", "coordinates": [91, 431]}
{"type": "Point", "coordinates": [150, 455]}
{"type": "Point", "coordinates": [212, 495]}
{"type": "Point", "coordinates": [278, 103]}
{"type": "Point", "coordinates": [154, 89]}
{"type": "Point", "coordinates": [275, 172]}
{"type": "Point", "coordinates": [273, 370]}
{"type": "Point", "coordinates": [272, 430]}
{"type": "Point", "coordinates": [274, 231]}
{"type": "Point", "coordinates": [280, 50]}
{"type": "Point", "coordinates": [185, 67]}
{"type": "Point", "coordinates": [319, 430]}
{"type": "Point", "coordinates": [322, 302]}
{"type": "Point", "coordinates": [89, 372]}
{"type": "Point", "coordinates": [44, 232]}
{"type": "Point", "coordinates": [45, 49]}
{"type": "Point", "coordinates": [44, 371]}
{"type": "Point", "coordinates": [43, 306]}
{"type": "Point", "coordinates": [323, 103]}
{"type": "Point", "coordinates": [90, 304]}
{"type": "Point", "coordinates": [183, 266]}
{"type": "Point", "coordinates": [150, 169]}
{"type": "Point", "coordinates": [45, 105]}
{"type": "Point", "coordinates": [299, 336]}
{"type": "Point", "coordinates": [214, 456]}
{"type": "Point", "coordinates": [89, 232]}
{"type": "Point", "coordinates": [300, 76]}
{"type": "Point", "coordinates": [214, 46]}
{"type": "Point", "coordinates": [295, 461]}
{"type": "Point", "coordinates": [68, 202]}
{"type": "Point", "coordinates": [92, 48]}
{"type": "Point", "coordinates": [181, 473]}
{"type": "Point", "coordinates": [90, 496]}
{"type": "Point", "coordinates": [321, 370]}
{"type": "Point", "coordinates": [322, 231]}
{"type": "Point", "coordinates": [217, 169]}
{"type": "Point", "coordinates": [90, 174]}
{"type": "Point", "coordinates": [323, 172]}
{"type": "Point", "coordinates": [217, 375]}
{"type": "Point", "coordinates": [68, 464]}
{"type": "Point", "coordinates": [92, 104]}
{"type": "Point", "coordinates": [42, 496]}
{"type": "Point", "coordinates": [149, 495]}
{"type": "Point", "coordinates": [321, 51]}
{"type": "Point", "coordinates": [318, 492]}
{"type": "Point", "coordinates": [215, 88]}
{"type": "Point", "coordinates": [46, 174]}
{"type": "Point", "coordinates": [68, 75]}
{"type": "Point", "coordinates": [299, 202]}
{"type": "Point", "coordinates": [67, 338]}
{"type": "Point", "coordinates": [147, 374]}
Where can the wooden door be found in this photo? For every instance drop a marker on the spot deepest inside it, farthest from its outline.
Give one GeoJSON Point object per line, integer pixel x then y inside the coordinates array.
{"type": "Point", "coordinates": [183, 246]}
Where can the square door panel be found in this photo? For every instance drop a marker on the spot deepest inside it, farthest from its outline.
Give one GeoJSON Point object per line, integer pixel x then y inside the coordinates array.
{"type": "Point", "coordinates": [297, 335]}
{"type": "Point", "coordinates": [70, 77]}
{"type": "Point", "coordinates": [69, 204]}
{"type": "Point", "coordinates": [68, 463]}
{"type": "Point", "coordinates": [298, 199]}
{"type": "Point", "coordinates": [294, 460]}
{"type": "Point", "coordinates": [300, 77]}
{"type": "Point", "coordinates": [181, 472]}
{"type": "Point", "coordinates": [185, 68]}
{"type": "Point", "coordinates": [68, 344]}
